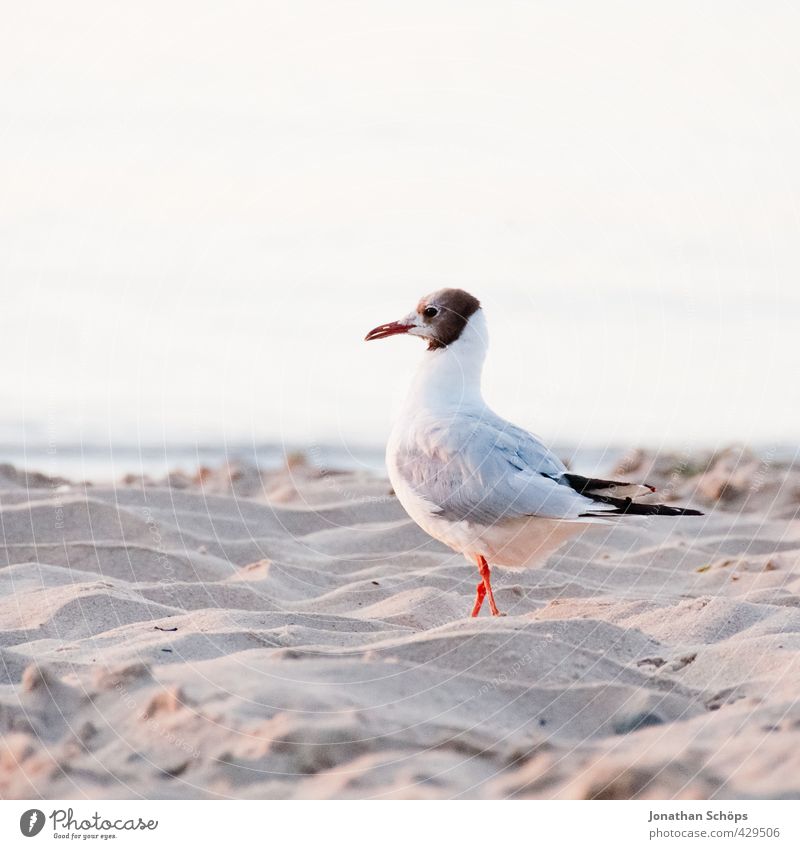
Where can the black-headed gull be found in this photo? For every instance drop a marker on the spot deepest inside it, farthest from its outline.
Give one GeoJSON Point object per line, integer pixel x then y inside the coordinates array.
{"type": "Point", "coordinates": [486, 488]}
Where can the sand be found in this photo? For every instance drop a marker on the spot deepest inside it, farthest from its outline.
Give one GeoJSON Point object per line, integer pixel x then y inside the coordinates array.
{"type": "Point", "coordinates": [294, 635]}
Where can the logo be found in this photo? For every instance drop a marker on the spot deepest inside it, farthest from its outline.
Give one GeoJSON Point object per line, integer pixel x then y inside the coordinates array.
{"type": "Point", "coordinates": [66, 825]}
{"type": "Point", "coordinates": [31, 822]}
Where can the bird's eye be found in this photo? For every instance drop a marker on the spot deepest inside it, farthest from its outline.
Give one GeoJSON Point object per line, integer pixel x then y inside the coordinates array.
{"type": "Point", "coordinates": [430, 312]}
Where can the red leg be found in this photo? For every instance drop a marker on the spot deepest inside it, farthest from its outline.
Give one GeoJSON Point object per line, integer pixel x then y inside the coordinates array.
{"type": "Point", "coordinates": [480, 594]}
{"type": "Point", "coordinates": [486, 579]}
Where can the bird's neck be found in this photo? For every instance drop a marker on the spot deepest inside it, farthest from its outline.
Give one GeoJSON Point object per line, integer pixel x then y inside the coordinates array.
{"type": "Point", "coordinates": [450, 378]}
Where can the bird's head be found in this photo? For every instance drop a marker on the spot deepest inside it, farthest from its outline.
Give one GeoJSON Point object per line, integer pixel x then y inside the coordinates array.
{"type": "Point", "coordinates": [438, 318]}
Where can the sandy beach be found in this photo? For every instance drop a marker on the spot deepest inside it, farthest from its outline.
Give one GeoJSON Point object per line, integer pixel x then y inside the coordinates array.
{"type": "Point", "coordinates": [293, 635]}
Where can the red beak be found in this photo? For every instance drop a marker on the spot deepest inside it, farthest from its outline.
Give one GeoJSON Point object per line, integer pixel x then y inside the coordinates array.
{"type": "Point", "coordinates": [390, 329]}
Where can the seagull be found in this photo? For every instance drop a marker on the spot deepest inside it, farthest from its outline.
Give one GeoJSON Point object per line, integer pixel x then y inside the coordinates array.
{"type": "Point", "coordinates": [472, 480]}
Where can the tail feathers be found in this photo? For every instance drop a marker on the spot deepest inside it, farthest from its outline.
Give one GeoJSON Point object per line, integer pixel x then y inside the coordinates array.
{"type": "Point", "coordinates": [627, 507]}
{"type": "Point", "coordinates": [619, 496]}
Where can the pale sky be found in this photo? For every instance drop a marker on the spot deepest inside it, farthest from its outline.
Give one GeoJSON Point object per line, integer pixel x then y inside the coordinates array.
{"type": "Point", "coordinates": [205, 206]}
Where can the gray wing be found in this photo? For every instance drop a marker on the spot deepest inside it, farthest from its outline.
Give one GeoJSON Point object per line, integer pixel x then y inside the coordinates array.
{"type": "Point", "coordinates": [486, 470]}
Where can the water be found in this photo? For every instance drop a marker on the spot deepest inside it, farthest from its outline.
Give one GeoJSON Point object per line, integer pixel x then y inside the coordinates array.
{"type": "Point", "coordinates": [96, 462]}
{"type": "Point", "coordinates": [104, 463]}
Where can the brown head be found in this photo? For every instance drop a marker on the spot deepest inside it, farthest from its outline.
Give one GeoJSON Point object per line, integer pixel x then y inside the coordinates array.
{"type": "Point", "coordinates": [439, 317]}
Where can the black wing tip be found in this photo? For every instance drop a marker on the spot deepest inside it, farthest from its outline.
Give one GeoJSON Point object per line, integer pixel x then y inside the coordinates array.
{"type": "Point", "coordinates": [627, 507]}
{"type": "Point", "coordinates": [591, 488]}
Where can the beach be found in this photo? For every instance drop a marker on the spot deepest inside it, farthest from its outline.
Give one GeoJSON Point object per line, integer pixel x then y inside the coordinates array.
{"type": "Point", "coordinates": [237, 633]}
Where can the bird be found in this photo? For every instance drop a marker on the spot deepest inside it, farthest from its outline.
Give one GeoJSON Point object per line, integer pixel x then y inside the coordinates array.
{"type": "Point", "coordinates": [486, 488]}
